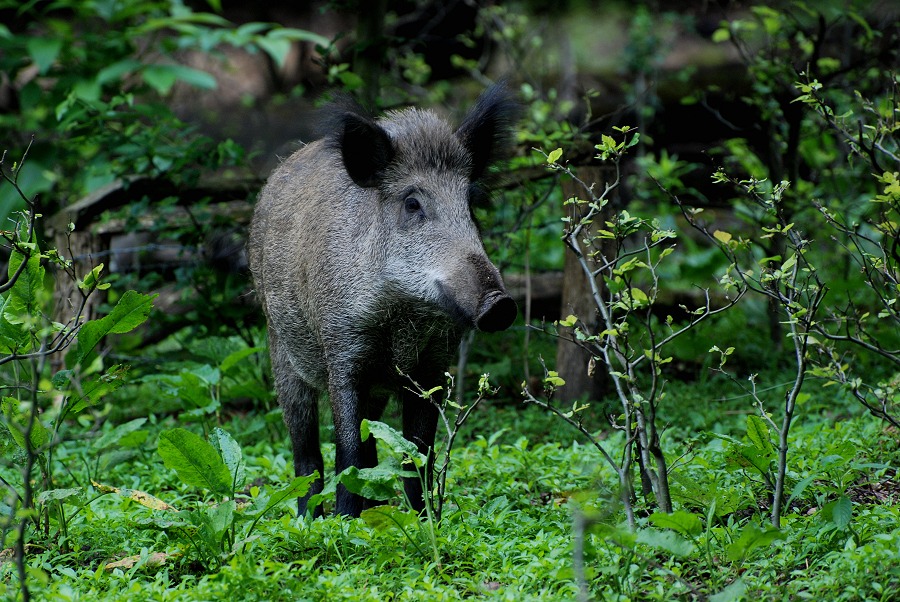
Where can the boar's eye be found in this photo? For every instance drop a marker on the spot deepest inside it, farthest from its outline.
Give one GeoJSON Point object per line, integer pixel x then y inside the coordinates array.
{"type": "Point", "coordinates": [412, 205]}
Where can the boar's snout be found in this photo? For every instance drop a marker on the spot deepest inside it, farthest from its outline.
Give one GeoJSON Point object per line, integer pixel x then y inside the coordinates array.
{"type": "Point", "coordinates": [497, 312]}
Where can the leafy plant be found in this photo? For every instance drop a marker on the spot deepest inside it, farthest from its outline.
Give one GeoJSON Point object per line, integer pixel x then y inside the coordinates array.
{"type": "Point", "coordinates": [31, 423]}
{"type": "Point", "coordinates": [217, 531]}
{"type": "Point", "coordinates": [620, 254]}
{"type": "Point", "coordinates": [783, 260]}
{"type": "Point", "coordinates": [89, 78]}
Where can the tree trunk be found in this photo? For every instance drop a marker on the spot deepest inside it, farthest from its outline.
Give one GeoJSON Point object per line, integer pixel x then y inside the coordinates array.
{"type": "Point", "coordinates": [572, 361]}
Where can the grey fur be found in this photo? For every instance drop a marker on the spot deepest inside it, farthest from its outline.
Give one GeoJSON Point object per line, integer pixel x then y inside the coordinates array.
{"type": "Point", "coordinates": [358, 280]}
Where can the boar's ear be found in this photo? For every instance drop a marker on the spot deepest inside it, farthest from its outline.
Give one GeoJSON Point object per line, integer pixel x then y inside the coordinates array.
{"type": "Point", "coordinates": [487, 129]}
{"type": "Point", "coordinates": [365, 148]}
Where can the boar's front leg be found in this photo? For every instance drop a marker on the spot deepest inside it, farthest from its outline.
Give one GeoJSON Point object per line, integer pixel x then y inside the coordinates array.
{"type": "Point", "coordinates": [350, 450]}
{"type": "Point", "coordinates": [420, 419]}
{"type": "Point", "coordinates": [300, 407]}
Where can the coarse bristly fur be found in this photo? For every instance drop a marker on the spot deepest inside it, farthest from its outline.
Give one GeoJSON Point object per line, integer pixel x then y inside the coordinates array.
{"type": "Point", "coordinates": [366, 261]}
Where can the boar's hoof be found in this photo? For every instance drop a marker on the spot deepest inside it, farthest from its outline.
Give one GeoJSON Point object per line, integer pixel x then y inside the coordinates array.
{"type": "Point", "coordinates": [497, 313]}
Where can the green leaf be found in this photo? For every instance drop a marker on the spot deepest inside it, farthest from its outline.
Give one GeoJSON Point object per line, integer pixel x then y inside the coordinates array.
{"type": "Point", "coordinates": [213, 521]}
{"type": "Point", "coordinates": [57, 494]}
{"type": "Point", "coordinates": [839, 511]}
{"type": "Point", "coordinates": [17, 418]}
{"type": "Point", "coordinates": [554, 156]}
{"type": "Point", "coordinates": [162, 77]}
{"type": "Point", "coordinates": [114, 435]}
{"type": "Point", "coordinates": [751, 538]}
{"type": "Point", "coordinates": [91, 390]}
{"type": "Point", "coordinates": [799, 488]}
{"type": "Point", "coordinates": [569, 321]}
{"type": "Point", "coordinates": [790, 263]}
{"type": "Point", "coordinates": [732, 593]}
{"type": "Point", "coordinates": [759, 436]}
{"type": "Point", "coordinates": [24, 300]}
{"type": "Point", "coordinates": [276, 48]}
{"type": "Point", "coordinates": [231, 454]}
{"type": "Point", "coordinates": [296, 488]}
{"type": "Point", "coordinates": [130, 312]}
{"type": "Point", "coordinates": [721, 35]}
{"type": "Point", "coordinates": [395, 440]}
{"type": "Point", "coordinates": [233, 358]}
{"type": "Point", "coordinates": [667, 541]}
{"type": "Point", "coordinates": [195, 461]}
{"type": "Point", "coordinates": [92, 280]}
{"type": "Point", "coordinates": [297, 35]}
{"type": "Point", "coordinates": [115, 71]}
{"type": "Point", "coordinates": [13, 337]}
{"type": "Point", "coordinates": [384, 518]}
{"type": "Point", "coordinates": [43, 51]}
{"type": "Point", "coordinates": [378, 483]}
{"type": "Point", "coordinates": [639, 298]}
{"type": "Point", "coordinates": [684, 522]}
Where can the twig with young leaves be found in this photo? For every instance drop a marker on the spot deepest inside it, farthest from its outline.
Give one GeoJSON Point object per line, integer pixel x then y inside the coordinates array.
{"type": "Point", "coordinates": [792, 283]}
{"type": "Point", "coordinates": [620, 255]}
{"type": "Point", "coordinates": [453, 422]}
{"type": "Point", "coordinates": [28, 337]}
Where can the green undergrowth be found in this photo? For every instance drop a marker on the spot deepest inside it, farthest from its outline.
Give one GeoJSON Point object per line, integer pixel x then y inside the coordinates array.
{"type": "Point", "coordinates": [509, 531]}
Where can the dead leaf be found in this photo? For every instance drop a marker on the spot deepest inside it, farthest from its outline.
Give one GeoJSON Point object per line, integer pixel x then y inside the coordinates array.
{"type": "Point", "coordinates": [154, 559]}
{"type": "Point", "coordinates": [142, 498]}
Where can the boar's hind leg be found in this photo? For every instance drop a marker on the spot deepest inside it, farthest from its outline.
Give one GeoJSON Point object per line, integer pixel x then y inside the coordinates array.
{"type": "Point", "coordinates": [419, 426]}
{"type": "Point", "coordinates": [300, 406]}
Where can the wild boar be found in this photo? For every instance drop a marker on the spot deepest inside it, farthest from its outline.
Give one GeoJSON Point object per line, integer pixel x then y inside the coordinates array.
{"type": "Point", "coordinates": [368, 263]}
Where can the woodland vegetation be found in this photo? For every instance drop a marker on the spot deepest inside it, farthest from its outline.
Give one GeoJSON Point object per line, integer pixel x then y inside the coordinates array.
{"type": "Point", "coordinates": [700, 399]}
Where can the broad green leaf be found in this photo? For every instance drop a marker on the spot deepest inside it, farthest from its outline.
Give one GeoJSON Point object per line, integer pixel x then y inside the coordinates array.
{"type": "Point", "coordinates": [382, 518]}
{"type": "Point", "coordinates": [790, 263]}
{"type": "Point", "coordinates": [230, 451]}
{"type": "Point", "coordinates": [760, 460]}
{"type": "Point", "coordinates": [92, 389]}
{"type": "Point", "coordinates": [113, 436]}
{"type": "Point", "coordinates": [276, 48]}
{"type": "Point", "coordinates": [297, 35]}
{"type": "Point", "coordinates": [758, 433]}
{"type": "Point", "coordinates": [43, 52]}
{"type": "Point", "coordinates": [800, 487]}
{"type": "Point", "coordinates": [378, 483]}
{"type": "Point", "coordinates": [569, 321]}
{"type": "Point", "coordinates": [214, 520]}
{"type": "Point", "coordinates": [57, 494]}
{"type": "Point", "coordinates": [233, 358]}
{"type": "Point", "coordinates": [25, 296]}
{"type": "Point", "coordinates": [130, 312]}
{"type": "Point", "coordinates": [17, 419]}
{"type": "Point", "coordinates": [296, 488]}
{"type": "Point", "coordinates": [721, 236]}
{"type": "Point", "coordinates": [13, 337]}
{"type": "Point", "coordinates": [554, 156]}
{"type": "Point", "coordinates": [666, 541]}
{"type": "Point", "coordinates": [195, 460]}
{"type": "Point", "coordinates": [721, 35]}
{"type": "Point", "coordinates": [751, 538]}
{"type": "Point", "coordinates": [395, 440]}
{"type": "Point", "coordinates": [162, 77]}
{"type": "Point", "coordinates": [116, 70]}
{"type": "Point", "coordinates": [733, 593]}
{"type": "Point", "coordinates": [684, 522]}
{"type": "Point", "coordinates": [839, 511]}
{"type": "Point", "coordinates": [91, 280]}
{"type": "Point", "coordinates": [639, 297]}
